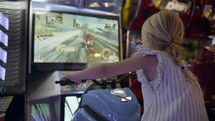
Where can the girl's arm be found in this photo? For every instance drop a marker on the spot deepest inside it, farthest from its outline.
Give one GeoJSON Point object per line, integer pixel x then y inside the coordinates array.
{"type": "Point", "coordinates": [110, 69]}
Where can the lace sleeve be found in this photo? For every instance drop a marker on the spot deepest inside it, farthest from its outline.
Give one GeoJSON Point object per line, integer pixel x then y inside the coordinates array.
{"type": "Point", "coordinates": [140, 73]}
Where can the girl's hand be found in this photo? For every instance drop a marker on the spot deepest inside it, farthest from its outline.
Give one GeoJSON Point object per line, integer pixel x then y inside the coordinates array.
{"type": "Point", "coordinates": [71, 78]}
{"type": "Point", "coordinates": [64, 82]}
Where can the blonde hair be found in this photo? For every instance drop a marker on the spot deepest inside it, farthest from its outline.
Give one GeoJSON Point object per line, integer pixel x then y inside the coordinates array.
{"type": "Point", "coordinates": [165, 31]}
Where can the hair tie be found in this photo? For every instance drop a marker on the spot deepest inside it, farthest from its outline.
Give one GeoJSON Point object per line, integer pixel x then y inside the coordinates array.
{"type": "Point", "coordinates": [182, 68]}
{"type": "Point", "coordinates": [169, 44]}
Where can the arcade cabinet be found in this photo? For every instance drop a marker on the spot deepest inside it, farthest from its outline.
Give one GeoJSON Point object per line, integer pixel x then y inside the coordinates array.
{"type": "Point", "coordinates": [64, 39]}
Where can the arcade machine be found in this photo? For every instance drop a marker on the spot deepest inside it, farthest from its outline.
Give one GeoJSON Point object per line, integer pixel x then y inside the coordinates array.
{"type": "Point", "coordinates": [12, 59]}
{"type": "Point", "coordinates": [67, 36]}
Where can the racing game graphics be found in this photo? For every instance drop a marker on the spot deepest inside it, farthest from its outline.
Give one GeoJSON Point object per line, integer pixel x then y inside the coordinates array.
{"type": "Point", "coordinates": [63, 37]}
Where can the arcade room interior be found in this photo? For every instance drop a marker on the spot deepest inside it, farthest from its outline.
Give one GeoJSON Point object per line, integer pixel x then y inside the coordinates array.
{"type": "Point", "coordinates": [41, 41]}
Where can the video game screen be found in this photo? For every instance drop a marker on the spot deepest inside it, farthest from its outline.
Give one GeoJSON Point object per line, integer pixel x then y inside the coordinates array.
{"type": "Point", "coordinates": [62, 37]}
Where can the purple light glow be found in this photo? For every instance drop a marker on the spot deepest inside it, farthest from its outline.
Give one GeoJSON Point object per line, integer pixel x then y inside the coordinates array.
{"type": "Point", "coordinates": [4, 21]}
{"type": "Point", "coordinates": [2, 73]}
{"type": "Point", "coordinates": [3, 38]}
{"type": "Point", "coordinates": [3, 55]}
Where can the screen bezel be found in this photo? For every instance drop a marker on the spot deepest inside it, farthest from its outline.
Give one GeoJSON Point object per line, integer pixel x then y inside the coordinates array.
{"type": "Point", "coordinates": [73, 65]}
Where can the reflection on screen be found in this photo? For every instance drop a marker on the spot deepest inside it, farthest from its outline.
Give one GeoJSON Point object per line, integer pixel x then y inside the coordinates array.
{"type": "Point", "coordinates": [70, 106]}
{"type": "Point", "coordinates": [41, 112]}
{"type": "Point", "coordinates": [69, 38]}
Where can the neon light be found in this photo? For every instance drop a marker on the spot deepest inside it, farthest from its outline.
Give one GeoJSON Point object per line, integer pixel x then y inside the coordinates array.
{"type": "Point", "coordinates": [3, 55]}
{"type": "Point", "coordinates": [2, 73]}
{"type": "Point", "coordinates": [176, 6]}
{"type": "Point", "coordinates": [4, 21]}
{"type": "Point", "coordinates": [3, 38]}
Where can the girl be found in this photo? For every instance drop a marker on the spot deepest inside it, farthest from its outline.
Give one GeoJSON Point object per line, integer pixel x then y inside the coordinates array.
{"type": "Point", "coordinates": [170, 91]}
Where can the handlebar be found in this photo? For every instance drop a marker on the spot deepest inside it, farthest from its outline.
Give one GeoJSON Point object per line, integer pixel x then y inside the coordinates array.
{"type": "Point", "coordinates": [64, 82]}
{"type": "Point", "coordinates": [103, 83]}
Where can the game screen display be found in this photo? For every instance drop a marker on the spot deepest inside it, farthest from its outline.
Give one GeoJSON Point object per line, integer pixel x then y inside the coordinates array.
{"type": "Point", "coordinates": [60, 37]}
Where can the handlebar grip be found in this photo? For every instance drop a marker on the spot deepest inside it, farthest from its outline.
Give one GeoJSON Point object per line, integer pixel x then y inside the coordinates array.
{"type": "Point", "coordinates": [64, 82]}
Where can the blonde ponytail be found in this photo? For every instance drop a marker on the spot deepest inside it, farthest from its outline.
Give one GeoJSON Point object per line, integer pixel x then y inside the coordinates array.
{"type": "Point", "coordinates": [174, 50]}
{"type": "Point", "coordinates": [161, 34]}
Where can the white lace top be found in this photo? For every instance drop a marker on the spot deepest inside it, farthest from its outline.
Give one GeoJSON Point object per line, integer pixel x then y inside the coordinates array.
{"type": "Point", "coordinates": [169, 97]}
